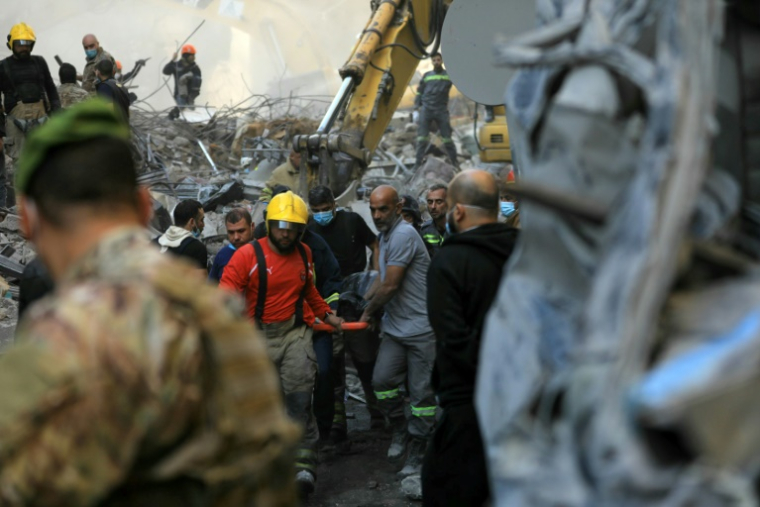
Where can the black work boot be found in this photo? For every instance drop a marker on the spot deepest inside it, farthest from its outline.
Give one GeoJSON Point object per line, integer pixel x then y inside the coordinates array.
{"type": "Point", "coordinates": [399, 439]}
{"type": "Point", "coordinates": [414, 457]}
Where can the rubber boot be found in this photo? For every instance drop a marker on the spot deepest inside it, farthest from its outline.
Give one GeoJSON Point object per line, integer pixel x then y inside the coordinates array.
{"type": "Point", "coordinates": [399, 440]}
{"type": "Point", "coordinates": [413, 465]}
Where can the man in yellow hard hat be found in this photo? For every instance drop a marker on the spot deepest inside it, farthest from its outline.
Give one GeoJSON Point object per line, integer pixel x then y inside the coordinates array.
{"type": "Point", "coordinates": [136, 385]}
{"type": "Point", "coordinates": [276, 276]}
{"type": "Point", "coordinates": [29, 95]}
{"type": "Point", "coordinates": [94, 54]}
{"type": "Point", "coordinates": [187, 79]}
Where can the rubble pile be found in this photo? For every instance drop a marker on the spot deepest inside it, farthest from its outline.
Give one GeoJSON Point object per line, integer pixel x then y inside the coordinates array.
{"type": "Point", "coordinates": [223, 158]}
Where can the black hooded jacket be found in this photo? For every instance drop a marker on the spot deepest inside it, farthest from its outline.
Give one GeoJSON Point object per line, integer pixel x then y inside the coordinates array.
{"type": "Point", "coordinates": [462, 283]}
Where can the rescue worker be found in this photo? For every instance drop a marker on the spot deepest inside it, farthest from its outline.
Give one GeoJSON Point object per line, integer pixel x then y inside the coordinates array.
{"type": "Point", "coordinates": [432, 103]}
{"type": "Point", "coordinates": [434, 230]}
{"type": "Point", "coordinates": [508, 206]}
{"type": "Point", "coordinates": [276, 276]}
{"type": "Point", "coordinates": [187, 79]}
{"type": "Point", "coordinates": [94, 54]}
{"type": "Point", "coordinates": [130, 368]}
{"type": "Point", "coordinates": [407, 345]}
{"type": "Point", "coordinates": [110, 90]}
{"type": "Point", "coordinates": [410, 211]}
{"type": "Point", "coordinates": [129, 76]}
{"type": "Point", "coordinates": [460, 290]}
{"type": "Point", "coordinates": [349, 238]}
{"type": "Point", "coordinates": [328, 282]}
{"type": "Point", "coordinates": [183, 238]}
{"type": "Point", "coordinates": [289, 175]}
{"type": "Point", "coordinates": [29, 95]}
{"type": "Point", "coordinates": [69, 91]}
{"type": "Point", "coordinates": [239, 225]}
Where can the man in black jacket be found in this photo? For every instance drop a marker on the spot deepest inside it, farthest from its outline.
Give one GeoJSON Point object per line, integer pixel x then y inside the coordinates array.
{"type": "Point", "coordinates": [110, 90]}
{"type": "Point", "coordinates": [183, 238]}
{"type": "Point", "coordinates": [460, 289]}
{"type": "Point", "coordinates": [432, 102]}
{"type": "Point", "coordinates": [29, 95]}
{"type": "Point", "coordinates": [187, 79]}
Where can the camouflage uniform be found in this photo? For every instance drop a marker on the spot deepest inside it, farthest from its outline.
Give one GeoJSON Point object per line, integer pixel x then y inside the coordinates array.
{"type": "Point", "coordinates": [88, 76]}
{"type": "Point", "coordinates": [71, 94]}
{"type": "Point", "coordinates": [136, 384]}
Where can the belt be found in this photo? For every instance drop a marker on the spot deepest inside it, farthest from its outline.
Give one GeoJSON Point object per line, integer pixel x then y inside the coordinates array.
{"type": "Point", "coordinates": [276, 329]}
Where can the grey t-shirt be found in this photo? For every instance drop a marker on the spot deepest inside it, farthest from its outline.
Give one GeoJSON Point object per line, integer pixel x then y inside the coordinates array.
{"type": "Point", "coordinates": [405, 314]}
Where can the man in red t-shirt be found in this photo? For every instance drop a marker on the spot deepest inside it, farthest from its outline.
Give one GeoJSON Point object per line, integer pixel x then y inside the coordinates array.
{"type": "Point", "coordinates": [276, 277]}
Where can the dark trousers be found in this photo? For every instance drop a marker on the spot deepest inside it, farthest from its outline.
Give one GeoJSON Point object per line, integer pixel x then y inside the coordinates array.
{"type": "Point", "coordinates": [454, 470]}
{"type": "Point", "coordinates": [323, 390]}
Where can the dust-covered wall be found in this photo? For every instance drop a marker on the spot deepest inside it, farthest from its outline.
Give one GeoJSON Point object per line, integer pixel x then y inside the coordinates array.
{"type": "Point", "coordinates": [274, 47]}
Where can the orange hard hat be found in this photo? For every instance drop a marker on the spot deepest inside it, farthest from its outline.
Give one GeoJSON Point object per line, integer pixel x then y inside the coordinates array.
{"type": "Point", "coordinates": [188, 49]}
{"type": "Point", "coordinates": [118, 64]}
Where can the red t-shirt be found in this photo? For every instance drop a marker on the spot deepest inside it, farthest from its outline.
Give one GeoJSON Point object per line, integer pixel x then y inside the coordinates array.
{"type": "Point", "coordinates": [285, 280]}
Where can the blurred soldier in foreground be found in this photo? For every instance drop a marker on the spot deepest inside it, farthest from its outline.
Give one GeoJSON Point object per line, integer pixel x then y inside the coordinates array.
{"type": "Point", "coordinates": [69, 90]}
{"type": "Point", "coordinates": [132, 384]}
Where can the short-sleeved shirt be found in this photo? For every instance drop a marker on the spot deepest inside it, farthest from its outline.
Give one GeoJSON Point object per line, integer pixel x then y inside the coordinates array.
{"type": "Point", "coordinates": [348, 236]}
{"type": "Point", "coordinates": [405, 314]}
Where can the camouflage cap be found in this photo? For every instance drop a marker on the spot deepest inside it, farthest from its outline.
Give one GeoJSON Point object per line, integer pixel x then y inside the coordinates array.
{"type": "Point", "coordinates": [91, 119]}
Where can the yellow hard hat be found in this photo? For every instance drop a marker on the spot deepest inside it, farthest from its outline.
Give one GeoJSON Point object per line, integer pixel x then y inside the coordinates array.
{"type": "Point", "coordinates": [288, 210]}
{"type": "Point", "coordinates": [21, 31]}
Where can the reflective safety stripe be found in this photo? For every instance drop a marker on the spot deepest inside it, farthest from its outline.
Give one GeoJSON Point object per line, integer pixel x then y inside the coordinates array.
{"type": "Point", "coordinates": [387, 395]}
{"type": "Point", "coordinates": [432, 238]}
{"type": "Point", "coordinates": [332, 299]}
{"type": "Point", "coordinates": [305, 454]}
{"type": "Point", "coordinates": [446, 139]}
{"type": "Point", "coordinates": [306, 466]}
{"type": "Point", "coordinates": [423, 411]}
{"type": "Point", "coordinates": [339, 418]}
{"type": "Point", "coordinates": [423, 138]}
{"type": "Point", "coordinates": [437, 77]}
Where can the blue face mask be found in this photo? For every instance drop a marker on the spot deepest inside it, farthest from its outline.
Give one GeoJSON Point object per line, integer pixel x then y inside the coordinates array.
{"type": "Point", "coordinates": [91, 53]}
{"type": "Point", "coordinates": [324, 218]}
{"type": "Point", "coordinates": [507, 208]}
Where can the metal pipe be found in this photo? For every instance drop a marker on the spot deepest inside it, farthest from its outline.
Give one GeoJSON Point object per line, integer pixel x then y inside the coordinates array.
{"type": "Point", "coordinates": [337, 104]}
{"type": "Point", "coordinates": [208, 157]}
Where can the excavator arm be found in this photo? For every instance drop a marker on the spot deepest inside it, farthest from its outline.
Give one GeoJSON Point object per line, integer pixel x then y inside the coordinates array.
{"type": "Point", "coordinates": [375, 78]}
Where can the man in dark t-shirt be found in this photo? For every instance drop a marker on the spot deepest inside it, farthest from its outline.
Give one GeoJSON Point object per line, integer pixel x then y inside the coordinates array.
{"type": "Point", "coordinates": [181, 239]}
{"type": "Point", "coordinates": [348, 236]}
{"type": "Point", "coordinates": [346, 232]}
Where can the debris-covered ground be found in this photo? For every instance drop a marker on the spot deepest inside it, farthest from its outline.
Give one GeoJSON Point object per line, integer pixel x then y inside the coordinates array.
{"type": "Point", "coordinates": [359, 476]}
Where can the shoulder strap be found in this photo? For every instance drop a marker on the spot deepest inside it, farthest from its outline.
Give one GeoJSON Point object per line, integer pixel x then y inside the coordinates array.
{"type": "Point", "coordinates": [262, 268]}
{"type": "Point", "coordinates": [301, 297]}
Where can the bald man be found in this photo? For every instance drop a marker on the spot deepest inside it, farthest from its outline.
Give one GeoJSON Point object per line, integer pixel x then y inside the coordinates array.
{"type": "Point", "coordinates": [407, 346]}
{"type": "Point", "coordinates": [461, 285]}
{"type": "Point", "coordinates": [94, 55]}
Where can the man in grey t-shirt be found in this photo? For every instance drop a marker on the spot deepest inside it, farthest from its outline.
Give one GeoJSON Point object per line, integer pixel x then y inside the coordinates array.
{"type": "Point", "coordinates": [407, 347]}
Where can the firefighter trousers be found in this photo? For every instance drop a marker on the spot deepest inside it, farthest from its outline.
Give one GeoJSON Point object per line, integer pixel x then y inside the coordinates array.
{"type": "Point", "coordinates": [291, 350]}
{"type": "Point", "coordinates": [444, 128]}
{"type": "Point", "coordinates": [409, 358]}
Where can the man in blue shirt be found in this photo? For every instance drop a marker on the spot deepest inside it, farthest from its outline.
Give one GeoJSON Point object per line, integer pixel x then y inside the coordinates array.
{"type": "Point", "coordinates": [239, 232]}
